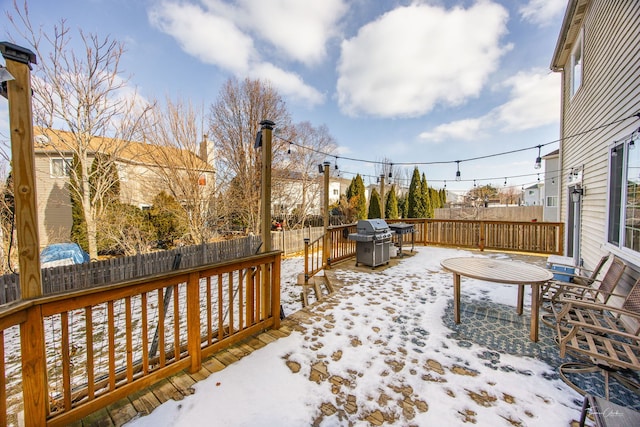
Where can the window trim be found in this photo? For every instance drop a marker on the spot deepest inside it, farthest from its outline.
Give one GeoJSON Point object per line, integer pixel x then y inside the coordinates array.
{"type": "Point", "coordinates": [619, 248]}
{"type": "Point", "coordinates": [66, 164]}
{"type": "Point", "coordinates": [578, 45]}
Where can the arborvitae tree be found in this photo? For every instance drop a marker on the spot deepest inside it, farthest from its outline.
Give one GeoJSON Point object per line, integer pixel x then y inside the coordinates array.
{"type": "Point", "coordinates": [391, 207]}
{"type": "Point", "coordinates": [426, 197]}
{"type": "Point", "coordinates": [356, 197]}
{"type": "Point", "coordinates": [375, 208]}
{"type": "Point", "coordinates": [443, 197]}
{"type": "Point", "coordinates": [434, 196]}
{"type": "Point", "coordinates": [415, 198]}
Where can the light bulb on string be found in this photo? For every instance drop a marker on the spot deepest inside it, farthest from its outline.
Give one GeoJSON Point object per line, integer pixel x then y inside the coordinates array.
{"type": "Point", "coordinates": [505, 181]}
{"type": "Point", "coordinates": [474, 183]}
{"type": "Point", "coordinates": [445, 183]}
{"type": "Point", "coordinates": [458, 171]}
{"type": "Point", "coordinates": [538, 164]}
{"type": "Point", "coordinates": [289, 150]}
{"type": "Point", "coordinates": [336, 164]}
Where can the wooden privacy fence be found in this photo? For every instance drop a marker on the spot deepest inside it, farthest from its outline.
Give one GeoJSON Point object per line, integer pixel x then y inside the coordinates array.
{"type": "Point", "coordinates": [292, 241]}
{"type": "Point", "coordinates": [66, 356]}
{"type": "Point", "coordinates": [82, 276]}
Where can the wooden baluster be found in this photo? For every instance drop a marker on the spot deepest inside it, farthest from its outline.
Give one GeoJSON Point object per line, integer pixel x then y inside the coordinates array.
{"type": "Point", "coordinates": [176, 323]}
{"type": "Point", "coordinates": [161, 350]}
{"type": "Point", "coordinates": [193, 322]}
{"type": "Point", "coordinates": [230, 305]}
{"type": "Point", "coordinates": [112, 345]}
{"type": "Point", "coordinates": [88, 331]}
{"type": "Point", "coordinates": [275, 291]}
{"type": "Point", "coordinates": [66, 360]}
{"type": "Point", "coordinates": [145, 334]}
{"type": "Point", "coordinates": [240, 301]}
{"type": "Point", "coordinates": [209, 312]}
{"type": "Point", "coordinates": [129, 338]}
{"type": "Point", "coordinates": [220, 309]}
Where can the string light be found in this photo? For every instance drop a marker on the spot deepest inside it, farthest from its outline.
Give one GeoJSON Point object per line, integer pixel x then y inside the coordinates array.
{"type": "Point", "coordinates": [390, 170]}
{"type": "Point", "coordinates": [505, 181]}
{"type": "Point", "coordinates": [289, 150]}
{"type": "Point", "coordinates": [336, 164]}
{"type": "Point", "coordinates": [538, 164]}
{"type": "Point", "coordinates": [458, 177]}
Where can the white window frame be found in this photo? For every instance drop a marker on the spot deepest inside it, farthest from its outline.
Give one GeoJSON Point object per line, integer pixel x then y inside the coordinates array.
{"type": "Point", "coordinates": [66, 167]}
{"type": "Point", "coordinates": [617, 231]}
{"type": "Point", "coordinates": [552, 201]}
{"type": "Point", "coordinates": [576, 65]}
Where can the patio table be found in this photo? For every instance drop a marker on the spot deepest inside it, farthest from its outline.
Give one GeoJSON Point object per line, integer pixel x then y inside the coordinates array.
{"type": "Point", "coordinates": [499, 271]}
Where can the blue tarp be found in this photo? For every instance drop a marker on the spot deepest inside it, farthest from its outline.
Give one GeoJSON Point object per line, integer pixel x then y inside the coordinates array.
{"type": "Point", "coordinates": [63, 253]}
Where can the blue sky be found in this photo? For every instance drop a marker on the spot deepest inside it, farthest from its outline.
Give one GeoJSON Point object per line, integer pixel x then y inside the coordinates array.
{"type": "Point", "coordinates": [410, 81]}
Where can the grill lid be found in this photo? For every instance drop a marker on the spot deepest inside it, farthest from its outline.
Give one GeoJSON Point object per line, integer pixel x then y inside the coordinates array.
{"type": "Point", "coordinates": [372, 226]}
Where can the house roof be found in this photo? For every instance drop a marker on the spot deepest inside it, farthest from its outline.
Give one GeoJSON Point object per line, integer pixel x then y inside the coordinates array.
{"type": "Point", "coordinates": [571, 24]}
{"type": "Point", "coordinates": [554, 153]}
{"type": "Point", "coordinates": [59, 141]}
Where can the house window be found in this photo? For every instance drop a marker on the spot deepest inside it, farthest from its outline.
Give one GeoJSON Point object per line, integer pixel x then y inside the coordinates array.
{"type": "Point", "coordinates": [552, 201]}
{"type": "Point", "coordinates": [335, 192]}
{"type": "Point", "coordinates": [624, 198]}
{"type": "Point", "coordinates": [576, 65]}
{"type": "Point", "coordinates": [60, 167]}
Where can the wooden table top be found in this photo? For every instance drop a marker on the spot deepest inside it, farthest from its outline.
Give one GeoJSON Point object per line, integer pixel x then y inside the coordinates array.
{"type": "Point", "coordinates": [499, 271]}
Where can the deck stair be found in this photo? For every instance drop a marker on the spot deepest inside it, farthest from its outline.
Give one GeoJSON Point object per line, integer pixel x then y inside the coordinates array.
{"type": "Point", "coordinates": [320, 286]}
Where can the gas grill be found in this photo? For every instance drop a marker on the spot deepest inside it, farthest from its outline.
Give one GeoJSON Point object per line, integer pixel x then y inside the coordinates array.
{"type": "Point", "coordinates": [372, 242]}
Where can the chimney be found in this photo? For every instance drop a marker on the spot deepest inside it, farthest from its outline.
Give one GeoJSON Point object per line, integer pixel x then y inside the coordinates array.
{"type": "Point", "coordinates": [207, 150]}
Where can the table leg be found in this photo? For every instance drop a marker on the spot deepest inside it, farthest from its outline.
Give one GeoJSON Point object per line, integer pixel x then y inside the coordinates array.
{"type": "Point", "coordinates": [520, 299]}
{"type": "Point", "coordinates": [456, 297]}
{"type": "Point", "coordinates": [535, 311]}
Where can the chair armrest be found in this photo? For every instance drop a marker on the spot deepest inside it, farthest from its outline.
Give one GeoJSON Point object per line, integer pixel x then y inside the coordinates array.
{"type": "Point", "coordinates": [580, 304]}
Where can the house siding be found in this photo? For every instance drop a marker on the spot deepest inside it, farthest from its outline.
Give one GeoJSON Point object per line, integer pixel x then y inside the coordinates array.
{"type": "Point", "coordinates": [610, 91]}
{"type": "Point", "coordinates": [54, 207]}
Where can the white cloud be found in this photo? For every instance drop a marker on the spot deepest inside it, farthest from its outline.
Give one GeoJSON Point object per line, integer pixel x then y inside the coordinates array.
{"type": "Point", "coordinates": [219, 33]}
{"type": "Point", "coordinates": [211, 38]}
{"type": "Point", "coordinates": [289, 84]}
{"type": "Point", "coordinates": [415, 57]}
{"type": "Point", "coordinates": [300, 29]}
{"type": "Point", "coordinates": [534, 101]}
{"type": "Point", "coordinates": [542, 12]}
{"type": "Point", "coordinates": [464, 130]}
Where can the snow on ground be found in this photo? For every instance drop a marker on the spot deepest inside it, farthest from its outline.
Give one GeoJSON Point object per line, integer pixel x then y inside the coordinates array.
{"type": "Point", "coordinates": [377, 352]}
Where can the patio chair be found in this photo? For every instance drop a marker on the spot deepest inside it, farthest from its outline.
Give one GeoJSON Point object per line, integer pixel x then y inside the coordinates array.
{"type": "Point", "coordinates": [606, 338]}
{"type": "Point", "coordinates": [593, 289]}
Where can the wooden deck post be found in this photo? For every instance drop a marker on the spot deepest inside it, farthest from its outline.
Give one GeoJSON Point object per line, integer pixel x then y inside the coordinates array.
{"type": "Point", "coordinates": [34, 374]}
{"type": "Point", "coordinates": [267, 156]}
{"type": "Point", "coordinates": [23, 167]}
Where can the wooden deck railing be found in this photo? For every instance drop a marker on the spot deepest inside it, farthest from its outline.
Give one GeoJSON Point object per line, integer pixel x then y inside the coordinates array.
{"type": "Point", "coordinates": [66, 356]}
{"type": "Point", "coordinates": [534, 237]}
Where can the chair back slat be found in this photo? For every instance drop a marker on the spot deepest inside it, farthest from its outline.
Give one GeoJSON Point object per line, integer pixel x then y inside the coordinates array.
{"type": "Point", "coordinates": [596, 271]}
{"type": "Point", "coordinates": [611, 278]}
{"type": "Point", "coordinates": [632, 301]}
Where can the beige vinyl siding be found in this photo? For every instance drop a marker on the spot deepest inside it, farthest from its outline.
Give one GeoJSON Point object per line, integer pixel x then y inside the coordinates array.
{"type": "Point", "coordinates": [54, 208]}
{"type": "Point", "coordinates": [610, 91]}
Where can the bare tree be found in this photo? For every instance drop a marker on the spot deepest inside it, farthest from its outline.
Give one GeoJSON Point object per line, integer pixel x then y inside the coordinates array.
{"type": "Point", "coordinates": [86, 96]}
{"type": "Point", "coordinates": [184, 159]}
{"type": "Point", "coordinates": [234, 123]}
{"type": "Point", "coordinates": [301, 164]}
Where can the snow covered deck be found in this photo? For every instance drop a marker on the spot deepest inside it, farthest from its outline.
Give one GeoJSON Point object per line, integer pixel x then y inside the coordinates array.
{"type": "Point", "coordinates": [381, 350]}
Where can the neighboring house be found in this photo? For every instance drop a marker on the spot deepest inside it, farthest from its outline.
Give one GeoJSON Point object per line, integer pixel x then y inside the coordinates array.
{"type": "Point", "coordinates": [139, 173]}
{"type": "Point", "coordinates": [551, 212]}
{"type": "Point", "coordinates": [296, 193]}
{"type": "Point", "coordinates": [534, 195]}
{"type": "Point", "coordinates": [598, 52]}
